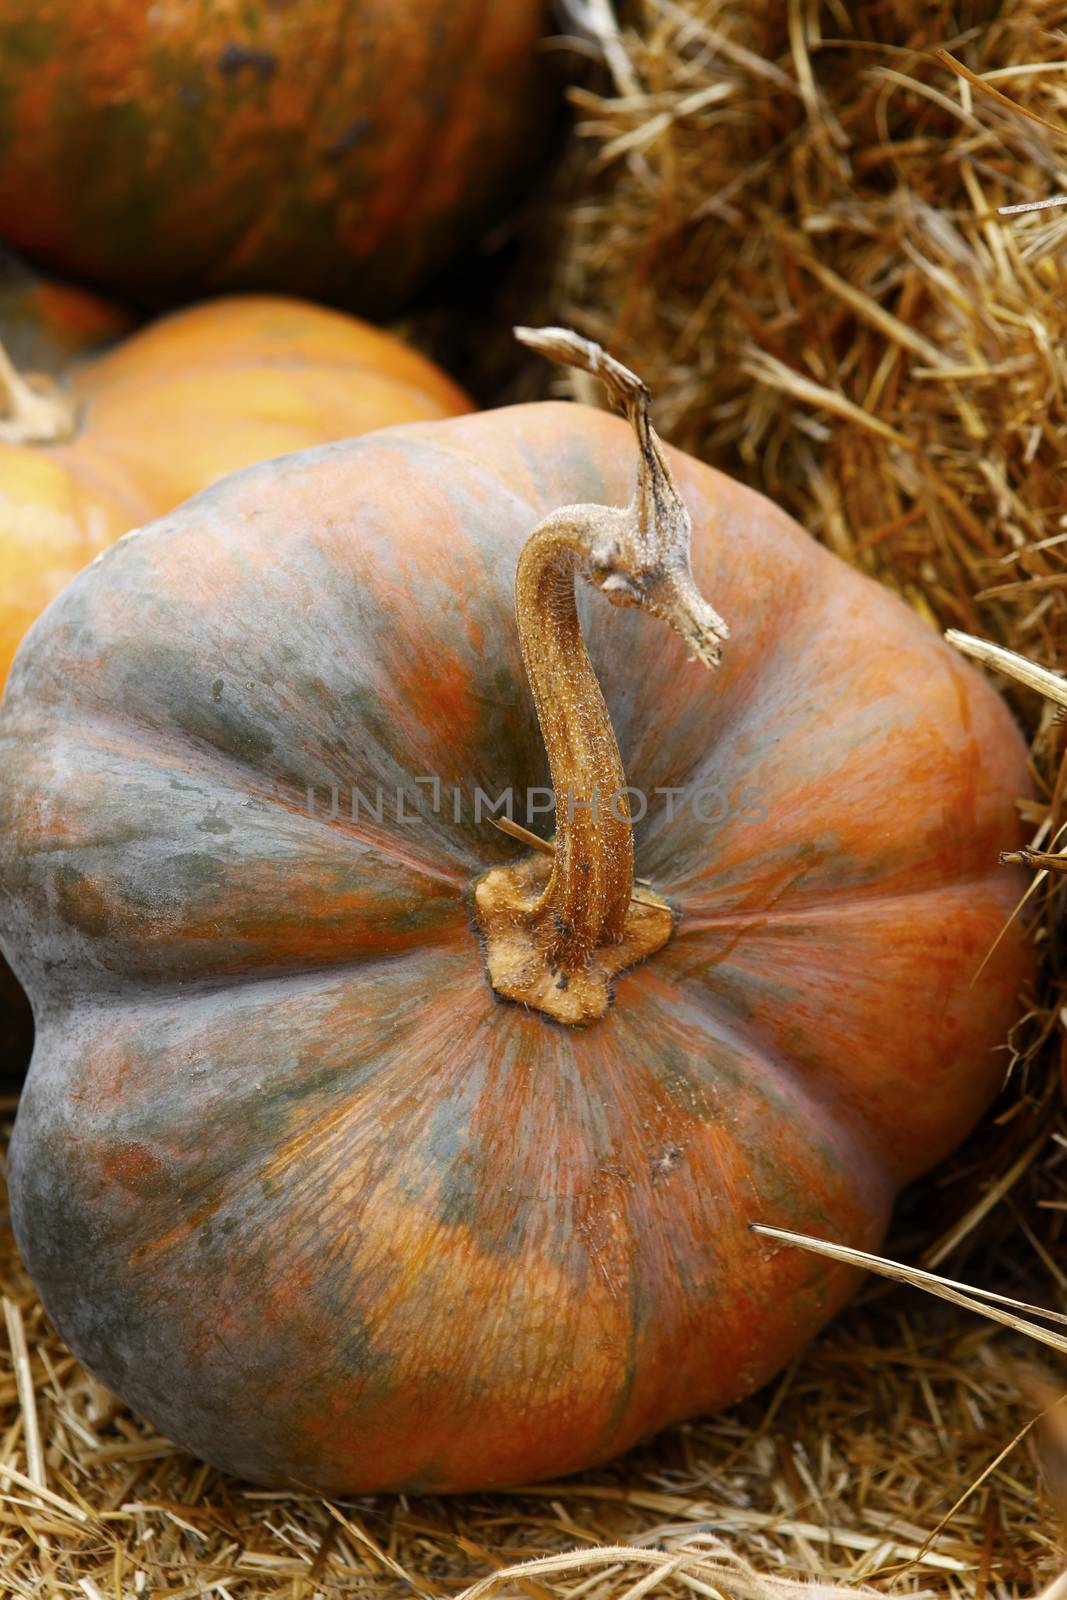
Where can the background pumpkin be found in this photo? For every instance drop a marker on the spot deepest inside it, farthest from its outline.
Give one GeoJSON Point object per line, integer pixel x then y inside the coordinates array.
{"type": "Point", "coordinates": [337, 148]}
{"type": "Point", "coordinates": [183, 402]}
{"type": "Point", "coordinates": [289, 1176]}
{"type": "Point", "coordinates": [174, 407]}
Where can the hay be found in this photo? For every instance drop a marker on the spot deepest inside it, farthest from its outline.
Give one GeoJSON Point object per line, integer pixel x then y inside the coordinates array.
{"type": "Point", "coordinates": [784, 215]}
{"type": "Point", "coordinates": [840, 1473]}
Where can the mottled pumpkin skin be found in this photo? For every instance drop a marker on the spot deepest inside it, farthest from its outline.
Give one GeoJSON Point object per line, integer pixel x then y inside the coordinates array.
{"type": "Point", "coordinates": [291, 1179]}
{"type": "Point", "coordinates": [340, 149]}
{"type": "Point", "coordinates": [184, 402]}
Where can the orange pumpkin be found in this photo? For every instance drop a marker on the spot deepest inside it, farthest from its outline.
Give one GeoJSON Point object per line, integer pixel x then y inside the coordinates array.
{"type": "Point", "coordinates": [185, 401]}
{"type": "Point", "coordinates": [293, 1175]}
{"type": "Point", "coordinates": [341, 149]}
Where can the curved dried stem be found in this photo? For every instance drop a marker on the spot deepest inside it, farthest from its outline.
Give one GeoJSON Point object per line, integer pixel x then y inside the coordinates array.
{"type": "Point", "coordinates": [640, 555]}
{"type": "Point", "coordinates": [557, 931]}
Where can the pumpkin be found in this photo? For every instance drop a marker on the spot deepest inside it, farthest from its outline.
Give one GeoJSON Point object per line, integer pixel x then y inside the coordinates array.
{"type": "Point", "coordinates": [186, 400]}
{"type": "Point", "coordinates": [367, 1148]}
{"type": "Point", "coordinates": [175, 406]}
{"type": "Point", "coordinates": [42, 325]}
{"type": "Point", "coordinates": [340, 149]}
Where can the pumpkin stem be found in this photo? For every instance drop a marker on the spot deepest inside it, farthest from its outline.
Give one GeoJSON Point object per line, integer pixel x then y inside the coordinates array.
{"type": "Point", "coordinates": [558, 930]}
{"type": "Point", "coordinates": [33, 409]}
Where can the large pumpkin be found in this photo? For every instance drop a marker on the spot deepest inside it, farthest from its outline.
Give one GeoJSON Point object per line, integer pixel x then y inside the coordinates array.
{"type": "Point", "coordinates": [292, 1176]}
{"type": "Point", "coordinates": [174, 407]}
{"type": "Point", "coordinates": [336, 148]}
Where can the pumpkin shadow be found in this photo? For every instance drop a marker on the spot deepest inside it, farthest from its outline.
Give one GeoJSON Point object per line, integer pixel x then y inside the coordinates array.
{"type": "Point", "coordinates": [16, 1030]}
